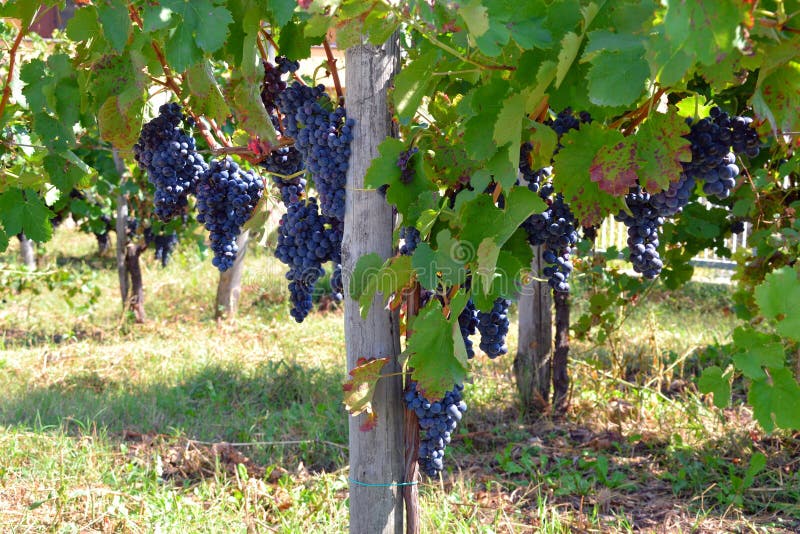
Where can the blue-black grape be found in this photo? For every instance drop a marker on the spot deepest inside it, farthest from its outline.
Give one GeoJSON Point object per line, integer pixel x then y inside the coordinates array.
{"type": "Point", "coordinates": [337, 286]}
{"type": "Point", "coordinates": [468, 324]}
{"type": "Point", "coordinates": [713, 162]}
{"type": "Point", "coordinates": [437, 422]}
{"type": "Point", "coordinates": [284, 164]}
{"type": "Point", "coordinates": [493, 327]}
{"type": "Point", "coordinates": [164, 244]}
{"type": "Point", "coordinates": [410, 239]}
{"type": "Point", "coordinates": [643, 223]}
{"type": "Point", "coordinates": [406, 170]}
{"type": "Point", "coordinates": [168, 154]}
{"type": "Point", "coordinates": [671, 202]}
{"type": "Point", "coordinates": [273, 84]}
{"type": "Point", "coordinates": [306, 240]}
{"type": "Point", "coordinates": [322, 134]}
{"type": "Point", "coordinates": [226, 198]}
{"type": "Point", "coordinates": [555, 227]}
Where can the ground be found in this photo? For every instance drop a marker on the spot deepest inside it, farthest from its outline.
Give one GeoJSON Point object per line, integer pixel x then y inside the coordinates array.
{"type": "Point", "coordinates": [184, 424]}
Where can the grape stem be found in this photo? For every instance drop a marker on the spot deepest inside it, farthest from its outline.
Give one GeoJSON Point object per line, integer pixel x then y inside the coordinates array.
{"type": "Point", "coordinates": [12, 55]}
{"type": "Point", "coordinates": [639, 114]}
{"type": "Point", "coordinates": [334, 71]}
{"type": "Point", "coordinates": [170, 82]}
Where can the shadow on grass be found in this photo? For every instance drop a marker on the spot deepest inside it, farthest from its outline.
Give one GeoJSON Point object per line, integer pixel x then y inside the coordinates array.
{"type": "Point", "coordinates": [272, 402]}
{"type": "Point", "coordinates": [650, 481]}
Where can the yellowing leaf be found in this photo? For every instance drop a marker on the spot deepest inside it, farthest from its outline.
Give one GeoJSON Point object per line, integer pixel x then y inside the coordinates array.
{"type": "Point", "coordinates": [360, 389]}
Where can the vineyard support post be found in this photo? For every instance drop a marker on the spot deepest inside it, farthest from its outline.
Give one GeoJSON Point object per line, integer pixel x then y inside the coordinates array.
{"type": "Point", "coordinates": [121, 229]}
{"type": "Point", "coordinates": [376, 456]}
{"type": "Point", "coordinates": [535, 348]}
{"type": "Point", "coordinates": [561, 354]}
{"type": "Point", "coordinates": [229, 288]}
{"type": "Point", "coordinates": [27, 251]}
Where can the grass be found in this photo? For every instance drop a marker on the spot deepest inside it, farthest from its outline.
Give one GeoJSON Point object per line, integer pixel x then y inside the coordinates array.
{"type": "Point", "coordinates": [184, 424]}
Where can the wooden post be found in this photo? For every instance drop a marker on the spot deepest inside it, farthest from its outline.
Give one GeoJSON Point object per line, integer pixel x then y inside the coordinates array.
{"type": "Point", "coordinates": [560, 355]}
{"type": "Point", "coordinates": [376, 456]}
{"type": "Point", "coordinates": [229, 288]}
{"type": "Point", "coordinates": [535, 348]}
{"type": "Point", "coordinates": [121, 229]}
{"type": "Point", "coordinates": [27, 251]}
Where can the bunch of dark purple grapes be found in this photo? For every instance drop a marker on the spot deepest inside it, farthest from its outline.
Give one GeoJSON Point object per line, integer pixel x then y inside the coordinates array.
{"type": "Point", "coordinates": [437, 422]}
{"type": "Point", "coordinates": [226, 198]}
{"type": "Point", "coordinates": [168, 153]}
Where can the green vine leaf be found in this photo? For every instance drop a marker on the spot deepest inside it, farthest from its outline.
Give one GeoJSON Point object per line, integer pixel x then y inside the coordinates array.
{"type": "Point", "coordinates": [777, 298]}
{"type": "Point", "coordinates": [756, 351]}
{"type": "Point", "coordinates": [432, 352]}
{"type": "Point", "coordinates": [116, 23]}
{"type": "Point", "coordinates": [25, 212]}
{"type": "Point", "coordinates": [775, 400]}
{"type": "Point", "coordinates": [714, 381]}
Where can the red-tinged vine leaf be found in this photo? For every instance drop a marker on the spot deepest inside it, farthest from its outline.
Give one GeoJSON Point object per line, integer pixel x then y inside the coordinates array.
{"type": "Point", "coordinates": [360, 389]}
{"type": "Point", "coordinates": [660, 149]}
{"type": "Point", "coordinates": [777, 97]}
{"type": "Point", "coordinates": [588, 202]}
{"type": "Point", "coordinates": [120, 124]}
{"type": "Point", "coordinates": [777, 297]}
{"type": "Point", "coordinates": [432, 353]}
{"type": "Point", "coordinates": [775, 400]}
{"type": "Point", "coordinates": [614, 167]}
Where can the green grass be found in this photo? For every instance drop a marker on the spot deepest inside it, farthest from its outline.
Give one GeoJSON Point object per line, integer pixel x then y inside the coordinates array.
{"type": "Point", "coordinates": [111, 426]}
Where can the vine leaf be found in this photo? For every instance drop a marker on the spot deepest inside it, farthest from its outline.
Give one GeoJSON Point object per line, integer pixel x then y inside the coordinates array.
{"type": "Point", "coordinates": [392, 276]}
{"type": "Point", "coordinates": [609, 68]}
{"type": "Point", "coordinates": [775, 400]}
{"type": "Point", "coordinates": [476, 16]}
{"type": "Point", "coordinates": [116, 24]}
{"type": "Point", "coordinates": [432, 351]}
{"type": "Point", "coordinates": [412, 83]}
{"type": "Point", "coordinates": [383, 171]}
{"type": "Point", "coordinates": [777, 297]}
{"type": "Point", "coordinates": [777, 97]}
{"type": "Point", "coordinates": [249, 110]}
{"type": "Point", "coordinates": [207, 97]}
{"type": "Point", "coordinates": [483, 105]}
{"type": "Point", "coordinates": [508, 128]}
{"type": "Point", "coordinates": [359, 390]}
{"type": "Point", "coordinates": [660, 149]}
{"type": "Point", "coordinates": [544, 141]}
{"type": "Point", "coordinates": [25, 212]}
{"type": "Point", "coordinates": [588, 202]}
{"type": "Point", "coordinates": [757, 351]}
{"type": "Point", "coordinates": [714, 381]}
{"type": "Point", "coordinates": [705, 30]}
{"type": "Point", "coordinates": [119, 123]}
{"type": "Point", "coordinates": [366, 267]}
{"type": "Point", "coordinates": [614, 167]}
